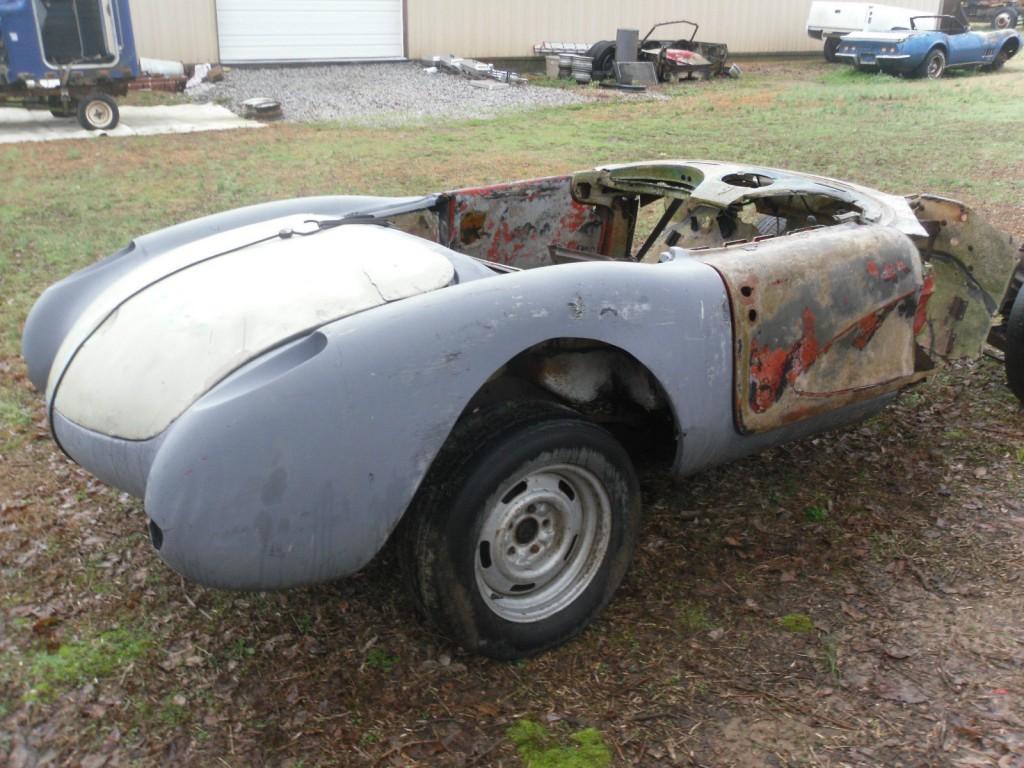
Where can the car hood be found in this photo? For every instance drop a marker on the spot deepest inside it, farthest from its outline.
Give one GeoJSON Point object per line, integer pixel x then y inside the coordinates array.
{"type": "Point", "coordinates": [159, 338]}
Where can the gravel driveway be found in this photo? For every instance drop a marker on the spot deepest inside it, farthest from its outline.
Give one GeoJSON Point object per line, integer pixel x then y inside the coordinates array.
{"type": "Point", "coordinates": [386, 93]}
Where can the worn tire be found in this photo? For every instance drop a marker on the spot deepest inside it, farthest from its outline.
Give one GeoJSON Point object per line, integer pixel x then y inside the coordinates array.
{"type": "Point", "coordinates": [603, 55]}
{"type": "Point", "coordinates": [1014, 352]}
{"type": "Point", "coordinates": [831, 46]}
{"type": "Point", "coordinates": [1005, 18]}
{"type": "Point", "coordinates": [1000, 60]}
{"type": "Point", "coordinates": [98, 112]}
{"type": "Point", "coordinates": [498, 466]}
{"type": "Point", "coordinates": [933, 66]}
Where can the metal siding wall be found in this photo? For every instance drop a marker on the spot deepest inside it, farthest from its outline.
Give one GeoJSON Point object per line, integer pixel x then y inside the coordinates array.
{"type": "Point", "coordinates": [309, 30]}
{"type": "Point", "coordinates": [470, 28]}
{"type": "Point", "coordinates": [180, 30]}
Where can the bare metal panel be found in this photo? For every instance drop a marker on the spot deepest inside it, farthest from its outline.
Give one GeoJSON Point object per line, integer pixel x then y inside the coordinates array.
{"type": "Point", "coordinates": [518, 223]}
{"type": "Point", "coordinates": [821, 319]}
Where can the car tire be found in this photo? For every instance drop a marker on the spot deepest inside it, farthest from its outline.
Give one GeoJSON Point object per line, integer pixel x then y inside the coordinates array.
{"type": "Point", "coordinates": [1014, 352]}
{"type": "Point", "coordinates": [603, 55]}
{"type": "Point", "coordinates": [1000, 60]}
{"type": "Point", "coordinates": [831, 46]}
{"type": "Point", "coordinates": [523, 529]}
{"type": "Point", "coordinates": [1005, 18]}
{"type": "Point", "coordinates": [98, 112]}
{"type": "Point", "coordinates": [933, 66]}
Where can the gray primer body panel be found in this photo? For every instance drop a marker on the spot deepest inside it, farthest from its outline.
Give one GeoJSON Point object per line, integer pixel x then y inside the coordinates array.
{"type": "Point", "coordinates": [292, 473]}
{"type": "Point", "coordinates": [297, 467]}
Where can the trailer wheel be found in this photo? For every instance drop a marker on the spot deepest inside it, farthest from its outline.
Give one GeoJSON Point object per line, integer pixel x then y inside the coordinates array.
{"type": "Point", "coordinates": [831, 46]}
{"type": "Point", "coordinates": [98, 112]}
{"type": "Point", "coordinates": [1005, 18]}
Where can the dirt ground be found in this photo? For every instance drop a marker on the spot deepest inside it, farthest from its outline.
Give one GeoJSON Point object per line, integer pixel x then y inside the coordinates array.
{"type": "Point", "coordinates": [848, 600]}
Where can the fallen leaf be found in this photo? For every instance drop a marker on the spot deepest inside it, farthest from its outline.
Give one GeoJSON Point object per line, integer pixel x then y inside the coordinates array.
{"type": "Point", "coordinates": [902, 690]}
{"type": "Point", "coordinates": [898, 652]}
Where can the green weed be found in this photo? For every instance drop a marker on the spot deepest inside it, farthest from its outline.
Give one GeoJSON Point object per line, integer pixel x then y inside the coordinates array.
{"type": "Point", "coordinates": [693, 617]}
{"type": "Point", "coordinates": [381, 660]}
{"type": "Point", "coordinates": [830, 655]}
{"type": "Point", "coordinates": [816, 514]}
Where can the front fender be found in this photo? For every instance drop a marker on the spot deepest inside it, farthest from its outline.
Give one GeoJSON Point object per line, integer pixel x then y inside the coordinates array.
{"type": "Point", "coordinates": [297, 468]}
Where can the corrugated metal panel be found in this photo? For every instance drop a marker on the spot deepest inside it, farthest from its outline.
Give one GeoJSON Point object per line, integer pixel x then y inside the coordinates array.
{"type": "Point", "coordinates": [469, 28]}
{"type": "Point", "coordinates": [181, 30]}
{"type": "Point", "coordinates": [309, 30]}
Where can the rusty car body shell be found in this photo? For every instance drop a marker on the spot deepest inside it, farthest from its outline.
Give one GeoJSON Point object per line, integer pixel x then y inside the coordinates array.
{"type": "Point", "coordinates": [296, 466]}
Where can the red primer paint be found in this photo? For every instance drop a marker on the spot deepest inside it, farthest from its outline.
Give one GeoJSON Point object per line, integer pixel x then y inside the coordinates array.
{"type": "Point", "coordinates": [767, 375]}
{"type": "Point", "coordinates": [574, 219]}
{"type": "Point", "coordinates": [867, 327]}
{"type": "Point", "coordinates": [921, 316]}
{"type": "Point", "coordinates": [772, 369]}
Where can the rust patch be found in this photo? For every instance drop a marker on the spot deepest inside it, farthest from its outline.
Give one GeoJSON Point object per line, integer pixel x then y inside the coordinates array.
{"type": "Point", "coordinates": [517, 223]}
{"type": "Point", "coordinates": [815, 326]}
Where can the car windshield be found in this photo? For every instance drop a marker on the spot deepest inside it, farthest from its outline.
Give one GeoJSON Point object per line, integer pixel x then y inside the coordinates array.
{"type": "Point", "coordinates": [948, 24]}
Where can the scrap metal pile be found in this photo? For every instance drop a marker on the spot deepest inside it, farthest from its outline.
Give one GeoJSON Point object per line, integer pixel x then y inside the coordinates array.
{"type": "Point", "coordinates": [475, 70]}
{"type": "Point", "coordinates": [632, 64]}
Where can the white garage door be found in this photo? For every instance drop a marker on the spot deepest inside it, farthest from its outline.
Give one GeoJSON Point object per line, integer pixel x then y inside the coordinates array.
{"type": "Point", "coordinates": [309, 30]}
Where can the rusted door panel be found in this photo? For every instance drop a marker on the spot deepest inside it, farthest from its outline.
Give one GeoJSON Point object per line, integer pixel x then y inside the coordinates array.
{"type": "Point", "coordinates": [972, 263]}
{"type": "Point", "coordinates": [821, 319]}
{"type": "Point", "coordinates": [517, 223]}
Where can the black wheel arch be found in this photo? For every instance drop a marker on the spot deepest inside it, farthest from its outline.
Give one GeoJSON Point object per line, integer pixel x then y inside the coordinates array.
{"type": "Point", "coordinates": [629, 395]}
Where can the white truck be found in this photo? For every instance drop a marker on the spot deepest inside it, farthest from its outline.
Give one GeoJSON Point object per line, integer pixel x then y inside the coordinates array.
{"type": "Point", "coordinates": [830, 21]}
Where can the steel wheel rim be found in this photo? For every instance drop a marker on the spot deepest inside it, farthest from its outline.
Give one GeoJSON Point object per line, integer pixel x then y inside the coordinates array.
{"type": "Point", "coordinates": [935, 67]}
{"type": "Point", "coordinates": [1002, 20]}
{"type": "Point", "coordinates": [99, 113]}
{"type": "Point", "coordinates": [542, 541]}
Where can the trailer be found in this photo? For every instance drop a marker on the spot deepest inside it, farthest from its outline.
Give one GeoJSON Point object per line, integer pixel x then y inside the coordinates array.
{"type": "Point", "coordinates": [71, 57]}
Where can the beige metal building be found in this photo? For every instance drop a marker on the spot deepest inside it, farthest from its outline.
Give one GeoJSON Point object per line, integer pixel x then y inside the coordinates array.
{"type": "Point", "coordinates": [237, 31]}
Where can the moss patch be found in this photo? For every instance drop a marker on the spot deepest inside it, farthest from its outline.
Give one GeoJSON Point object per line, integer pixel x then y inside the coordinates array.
{"type": "Point", "coordinates": [800, 623]}
{"type": "Point", "coordinates": [539, 748]}
{"type": "Point", "coordinates": [76, 663]}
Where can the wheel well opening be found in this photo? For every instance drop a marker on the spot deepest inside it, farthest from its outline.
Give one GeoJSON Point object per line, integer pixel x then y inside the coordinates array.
{"type": "Point", "coordinates": [1011, 46]}
{"type": "Point", "coordinates": [599, 380]}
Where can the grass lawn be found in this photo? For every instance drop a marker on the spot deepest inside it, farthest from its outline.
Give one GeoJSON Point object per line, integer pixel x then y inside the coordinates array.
{"type": "Point", "coordinates": [805, 622]}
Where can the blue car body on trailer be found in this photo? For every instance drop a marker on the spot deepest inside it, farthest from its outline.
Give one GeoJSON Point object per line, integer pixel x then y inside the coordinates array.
{"type": "Point", "coordinates": [929, 52]}
{"type": "Point", "coordinates": [67, 56]}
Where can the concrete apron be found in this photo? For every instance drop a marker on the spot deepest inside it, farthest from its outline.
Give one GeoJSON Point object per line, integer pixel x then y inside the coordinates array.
{"type": "Point", "coordinates": [18, 125]}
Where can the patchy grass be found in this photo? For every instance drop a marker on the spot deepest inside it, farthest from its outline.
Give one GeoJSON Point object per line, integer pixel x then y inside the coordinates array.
{"type": "Point", "coordinates": [693, 617]}
{"type": "Point", "coordinates": [81, 661]}
{"type": "Point", "coordinates": [538, 748]}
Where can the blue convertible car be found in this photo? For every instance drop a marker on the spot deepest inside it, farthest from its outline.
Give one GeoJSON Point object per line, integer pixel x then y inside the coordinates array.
{"type": "Point", "coordinates": [932, 45]}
